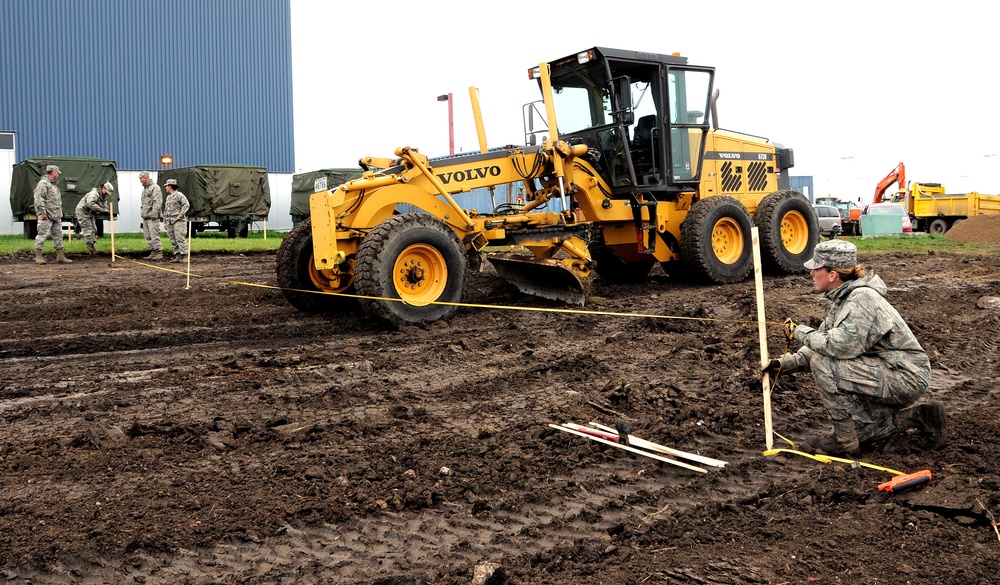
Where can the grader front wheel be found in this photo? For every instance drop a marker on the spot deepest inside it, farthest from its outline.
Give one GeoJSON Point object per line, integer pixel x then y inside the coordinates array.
{"type": "Point", "coordinates": [299, 280]}
{"type": "Point", "coordinates": [417, 259]}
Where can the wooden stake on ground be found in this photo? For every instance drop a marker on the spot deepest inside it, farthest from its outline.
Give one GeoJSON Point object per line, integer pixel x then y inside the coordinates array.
{"type": "Point", "coordinates": [629, 449]}
{"type": "Point", "coordinates": [111, 220]}
{"type": "Point", "coordinates": [644, 444]}
{"type": "Point", "coordinates": [765, 380]}
{"type": "Point", "coordinates": [188, 285]}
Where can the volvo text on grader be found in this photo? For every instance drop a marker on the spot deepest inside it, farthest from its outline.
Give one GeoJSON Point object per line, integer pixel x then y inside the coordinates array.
{"type": "Point", "coordinates": [632, 175]}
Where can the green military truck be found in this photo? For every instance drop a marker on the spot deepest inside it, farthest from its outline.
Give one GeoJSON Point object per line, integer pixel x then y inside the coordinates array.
{"type": "Point", "coordinates": [227, 198]}
{"type": "Point", "coordinates": [305, 184]}
{"type": "Point", "coordinates": [77, 176]}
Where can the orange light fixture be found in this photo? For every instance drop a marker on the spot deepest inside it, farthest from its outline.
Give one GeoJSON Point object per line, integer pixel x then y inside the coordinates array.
{"type": "Point", "coordinates": [166, 159]}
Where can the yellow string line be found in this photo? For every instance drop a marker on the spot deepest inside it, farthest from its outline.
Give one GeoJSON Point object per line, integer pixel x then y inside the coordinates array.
{"type": "Point", "coordinates": [828, 459]}
{"type": "Point", "coordinates": [469, 305]}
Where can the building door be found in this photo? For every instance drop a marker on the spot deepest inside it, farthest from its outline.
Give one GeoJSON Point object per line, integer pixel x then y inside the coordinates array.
{"type": "Point", "coordinates": [8, 159]}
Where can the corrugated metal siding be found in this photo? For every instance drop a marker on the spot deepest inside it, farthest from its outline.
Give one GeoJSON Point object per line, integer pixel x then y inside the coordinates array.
{"type": "Point", "coordinates": [204, 81]}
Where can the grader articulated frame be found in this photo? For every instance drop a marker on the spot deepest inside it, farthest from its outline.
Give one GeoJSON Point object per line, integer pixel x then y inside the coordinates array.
{"type": "Point", "coordinates": [637, 177]}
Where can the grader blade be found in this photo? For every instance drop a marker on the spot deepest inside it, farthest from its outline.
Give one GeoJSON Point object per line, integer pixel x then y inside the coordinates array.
{"type": "Point", "coordinates": [548, 279]}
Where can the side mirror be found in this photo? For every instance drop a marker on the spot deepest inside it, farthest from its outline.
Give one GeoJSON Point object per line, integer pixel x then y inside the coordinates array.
{"type": "Point", "coordinates": [621, 100]}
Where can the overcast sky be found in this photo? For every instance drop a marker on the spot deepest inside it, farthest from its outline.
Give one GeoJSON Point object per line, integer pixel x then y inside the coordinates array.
{"type": "Point", "coordinates": [853, 87]}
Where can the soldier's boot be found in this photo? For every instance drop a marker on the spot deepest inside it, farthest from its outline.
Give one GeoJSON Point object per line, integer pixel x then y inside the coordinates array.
{"type": "Point", "coordinates": [177, 258]}
{"type": "Point", "coordinates": [90, 248]}
{"type": "Point", "coordinates": [158, 255]}
{"type": "Point", "coordinates": [39, 259]}
{"type": "Point", "coordinates": [149, 256]}
{"type": "Point", "coordinates": [928, 419]}
{"type": "Point", "coordinates": [61, 258]}
{"type": "Point", "coordinates": [843, 440]}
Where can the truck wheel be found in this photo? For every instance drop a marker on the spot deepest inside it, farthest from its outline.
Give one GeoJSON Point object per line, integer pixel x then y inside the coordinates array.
{"type": "Point", "coordinates": [297, 275]}
{"type": "Point", "coordinates": [414, 257]}
{"type": "Point", "coordinates": [788, 231]}
{"type": "Point", "coordinates": [938, 226]}
{"type": "Point", "coordinates": [612, 268]}
{"type": "Point", "coordinates": [715, 240]}
{"type": "Point", "coordinates": [99, 227]}
{"type": "Point", "coordinates": [30, 229]}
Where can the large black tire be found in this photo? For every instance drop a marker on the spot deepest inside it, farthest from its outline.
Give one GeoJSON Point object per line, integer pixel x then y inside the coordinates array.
{"type": "Point", "coordinates": [612, 268]}
{"type": "Point", "coordinates": [99, 227]}
{"type": "Point", "coordinates": [788, 231]}
{"type": "Point", "coordinates": [30, 229]}
{"type": "Point", "coordinates": [415, 257]}
{"type": "Point", "coordinates": [294, 268]}
{"type": "Point", "coordinates": [715, 240]}
{"type": "Point", "coordinates": [938, 226]}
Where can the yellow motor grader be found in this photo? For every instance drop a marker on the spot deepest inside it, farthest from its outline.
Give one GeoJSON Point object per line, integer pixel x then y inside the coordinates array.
{"type": "Point", "coordinates": [632, 175]}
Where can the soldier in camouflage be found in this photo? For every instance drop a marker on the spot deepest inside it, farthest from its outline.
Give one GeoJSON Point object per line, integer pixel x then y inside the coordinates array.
{"type": "Point", "coordinates": [87, 209]}
{"type": "Point", "coordinates": [868, 366]}
{"type": "Point", "coordinates": [150, 204]}
{"type": "Point", "coordinates": [175, 218]}
{"type": "Point", "coordinates": [48, 209]}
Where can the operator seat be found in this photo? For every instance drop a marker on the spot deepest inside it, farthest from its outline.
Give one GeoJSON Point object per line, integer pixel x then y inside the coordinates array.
{"type": "Point", "coordinates": [643, 145]}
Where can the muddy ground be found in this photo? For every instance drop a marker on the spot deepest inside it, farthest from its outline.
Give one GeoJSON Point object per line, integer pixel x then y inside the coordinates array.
{"type": "Point", "coordinates": [152, 434]}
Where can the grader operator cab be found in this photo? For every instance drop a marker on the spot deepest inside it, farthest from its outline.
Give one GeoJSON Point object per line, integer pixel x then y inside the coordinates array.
{"type": "Point", "coordinates": [631, 175]}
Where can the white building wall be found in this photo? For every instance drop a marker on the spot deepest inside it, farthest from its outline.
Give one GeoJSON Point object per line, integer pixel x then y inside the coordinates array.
{"type": "Point", "coordinates": [8, 158]}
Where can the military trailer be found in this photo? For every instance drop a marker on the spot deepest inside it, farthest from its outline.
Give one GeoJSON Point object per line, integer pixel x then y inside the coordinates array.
{"type": "Point", "coordinates": [305, 184]}
{"type": "Point", "coordinates": [77, 176]}
{"type": "Point", "coordinates": [226, 198]}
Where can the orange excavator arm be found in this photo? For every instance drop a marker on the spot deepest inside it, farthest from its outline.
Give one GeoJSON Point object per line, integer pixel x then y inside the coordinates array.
{"type": "Point", "coordinates": [896, 175]}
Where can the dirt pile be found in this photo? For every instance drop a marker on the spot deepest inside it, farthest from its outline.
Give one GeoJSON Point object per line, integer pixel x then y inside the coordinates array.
{"type": "Point", "coordinates": [152, 434]}
{"type": "Point", "coordinates": [980, 229]}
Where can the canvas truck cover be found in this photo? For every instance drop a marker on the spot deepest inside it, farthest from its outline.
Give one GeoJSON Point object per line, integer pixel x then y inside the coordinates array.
{"type": "Point", "coordinates": [77, 176]}
{"type": "Point", "coordinates": [305, 184]}
{"type": "Point", "coordinates": [222, 190]}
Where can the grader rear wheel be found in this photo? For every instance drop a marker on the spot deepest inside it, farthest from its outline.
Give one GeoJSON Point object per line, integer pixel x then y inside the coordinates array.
{"type": "Point", "coordinates": [716, 240]}
{"type": "Point", "coordinates": [788, 231]}
{"type": "Point", "coordinates": [299, 280]}
{"type": "Point", "coordinates": [416, 258]}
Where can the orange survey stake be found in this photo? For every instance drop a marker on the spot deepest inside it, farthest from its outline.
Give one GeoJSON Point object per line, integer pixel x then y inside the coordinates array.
{"type": "Point", "coordinates": [905, 482]}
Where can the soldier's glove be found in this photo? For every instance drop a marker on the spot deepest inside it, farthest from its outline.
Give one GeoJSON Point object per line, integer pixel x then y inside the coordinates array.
{"type": "Point", "coordinates": [789, 327]}
{"type": "Point", "coordinates": [772, 367]}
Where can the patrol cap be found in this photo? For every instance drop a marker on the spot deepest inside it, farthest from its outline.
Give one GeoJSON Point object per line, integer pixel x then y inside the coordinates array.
{"type": "Point", "coordinates": [51, 168]}
{"type": "Point", "coordinates": [144, 175]}
{"type": "Point", "coordinates": [833, 254]}
{"type": "Point", "coordinates": [171, 182]}
{"type": "Point", "coordinates": [109, 187]}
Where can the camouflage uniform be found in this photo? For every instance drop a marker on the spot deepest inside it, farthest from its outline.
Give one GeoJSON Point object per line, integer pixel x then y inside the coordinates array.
{"type": "Point", "coordinates": [864, 358]}
{"type": "Point", "coordinates": [150, 204]}
{"type": "Point", "coordinates": [48, 202]}
{"type": "Point", "coordinates": [174, 213]}
{"type": "Point", "coordinates": [87, 209]}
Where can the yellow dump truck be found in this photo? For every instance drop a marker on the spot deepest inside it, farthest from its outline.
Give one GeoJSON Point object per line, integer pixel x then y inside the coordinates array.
{"type": "Point", "coordinates": [933, 210]}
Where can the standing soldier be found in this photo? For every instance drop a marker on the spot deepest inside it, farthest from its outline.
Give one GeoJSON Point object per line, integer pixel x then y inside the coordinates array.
{"type": "Point", "coordinates": [87, 209]}
{"type": "Point", "coordinates": [175, 218]}
{"type": "Point", "coordinates": [48, 208]}
{"type": "Point", "coordinates": [149, 208]}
